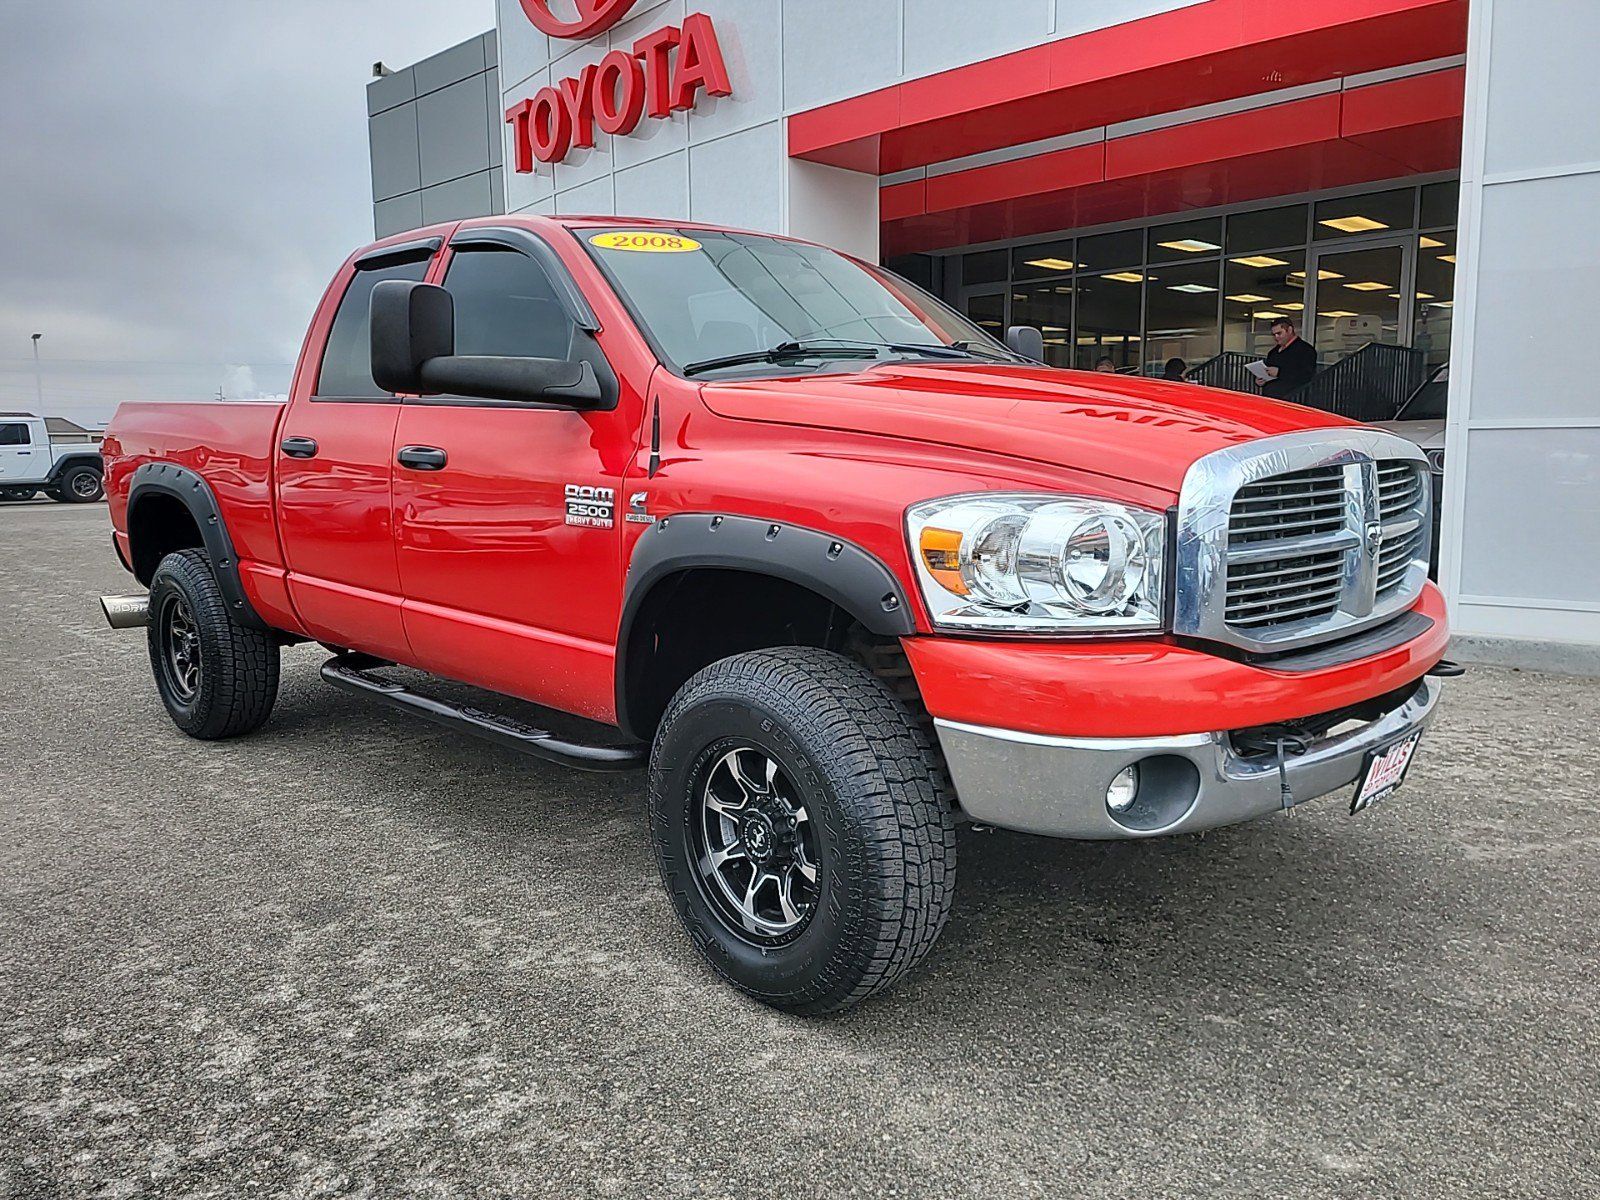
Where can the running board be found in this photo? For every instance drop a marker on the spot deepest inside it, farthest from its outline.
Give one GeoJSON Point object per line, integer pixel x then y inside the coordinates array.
{"type": "Point", "coordinates": [349, 672]}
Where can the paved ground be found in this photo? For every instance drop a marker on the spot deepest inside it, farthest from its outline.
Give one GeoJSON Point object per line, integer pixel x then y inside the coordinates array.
{"type": "Point", "coordinates": [356, 956]}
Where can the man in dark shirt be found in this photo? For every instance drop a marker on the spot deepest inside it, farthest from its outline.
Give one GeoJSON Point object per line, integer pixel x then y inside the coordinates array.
{"type": "Point", "coordinates": [1291, 363]}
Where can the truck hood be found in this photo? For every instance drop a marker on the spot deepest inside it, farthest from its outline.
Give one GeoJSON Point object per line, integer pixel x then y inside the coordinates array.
{"type": "Point", "coordinates": [1140, 430]}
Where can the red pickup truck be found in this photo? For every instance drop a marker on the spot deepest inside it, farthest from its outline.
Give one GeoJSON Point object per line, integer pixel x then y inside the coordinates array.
{"type": "Point", "coordinates": [838, 567]}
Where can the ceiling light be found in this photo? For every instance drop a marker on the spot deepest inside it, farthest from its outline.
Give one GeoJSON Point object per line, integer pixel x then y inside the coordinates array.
{"type": "Point", "coordinates": [1320, 275]}
{"type": "Point", "coordinates": [1193, 289]}
{"type": "Point", "coordinates": [1052, 264]}
{"type": "Point", "coordinates": [1249, 298]}
{"type": "Point", "coordinates": [1054, 328]}
{"type": "Point", "coordinates": [1292, 307]}
{"type": "Point", "coordinates": [1263, 260]}
{"type": "Point", "coordinates": [1265, 315]}
{"type": "Point", "coordinates": [1368, 286]}
{"type": "Point", "coordinates": [1190, 245]}
{"type": "Point", "coordinates": [1443, 304]}
{"type": "Point", "coordinates": [1420, 296]}
{"type": "Point", "coordinates": [1338, 314]}
{"type": "Point", "coordinates": [1353, 224]}
{"type": "Point", "coordinates": [1063, 291]}
{"type": "Point", "coordinates": [1449, 258]}
{"type": "Point", "coordinates": [1429, 243]}
{"type": "Point", "coordinates": [1126, 277]}
{"type": "Point", "coordinates": [1055, 341]}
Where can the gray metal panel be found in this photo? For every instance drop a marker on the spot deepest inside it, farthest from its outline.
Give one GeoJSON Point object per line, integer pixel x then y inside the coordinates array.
{"type": "Point", "coordinates": [389, 90]}
{"type": "Point", "coordinates": [658, 188]}
{"type": "Point", "coordinates": [450, 66]}
{"type": "Point", "coordinates": [497, 190]}
{"type": "Point", "coordinates": [1532, 529]}
{"type": "Point", "coordinates": [738, 180]}
{"type": "Point", "coordinates": [494, 113]}
{"type": "Point", "coordinates": [820, 67]}
{"type": "Point", "coordinates": [468, 197]}
{"type": "Point", "coordinates": [453, 132]}
{"type": "Point", "coordinates": [392, 141]}
{"type": "Point", "coordinates": [1536, 261]}
{"type": "Point", "coordinates": [1537, 44]}
{"type": "Point", "coordinates": [940, 34]}
{"type": "Point", "coordinates": [397, 215]}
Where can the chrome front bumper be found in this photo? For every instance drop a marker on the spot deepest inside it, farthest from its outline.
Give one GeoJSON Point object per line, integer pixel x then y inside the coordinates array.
{"type": "Point", "coordinates": [1057, 785]}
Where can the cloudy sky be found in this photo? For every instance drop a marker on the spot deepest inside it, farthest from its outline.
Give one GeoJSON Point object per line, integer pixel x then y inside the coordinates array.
{"type": "Point", "coordinates": [178, 180]}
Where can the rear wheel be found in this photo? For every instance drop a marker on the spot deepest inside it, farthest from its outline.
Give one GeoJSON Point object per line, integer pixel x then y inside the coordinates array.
{"type": "Point", "coordinates": [800, 827]}
{"type": "Point", "coordinates": [79, 485]}
{"type": "Point", "coordinates": [217, 678]}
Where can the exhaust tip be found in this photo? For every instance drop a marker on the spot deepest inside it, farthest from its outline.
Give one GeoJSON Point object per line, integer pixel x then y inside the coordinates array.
{"type": "Point", "coordinates": [126, 612]}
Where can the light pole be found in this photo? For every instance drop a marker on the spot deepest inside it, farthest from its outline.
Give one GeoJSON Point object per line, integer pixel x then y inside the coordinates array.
{"type": "Point", "coordinates": [38, 378]}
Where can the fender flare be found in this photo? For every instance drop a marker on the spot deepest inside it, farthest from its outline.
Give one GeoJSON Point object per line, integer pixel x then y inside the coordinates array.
{"type": "Point", "coordinates": [838, 570]}
{"type": "Point", "coordinates": [88, 458]}
{"type": "Point", "coordinates": [195, 494]}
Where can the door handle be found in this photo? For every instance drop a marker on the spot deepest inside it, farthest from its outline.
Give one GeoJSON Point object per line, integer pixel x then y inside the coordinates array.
{"type": "Point", "coordinates": [422, 458]}
{"type": "Point", "coordinates": [299, 447]}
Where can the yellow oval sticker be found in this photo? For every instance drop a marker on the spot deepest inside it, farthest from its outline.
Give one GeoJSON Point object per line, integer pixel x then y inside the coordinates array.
{"type": "Point", "coordinates": [644, 241]}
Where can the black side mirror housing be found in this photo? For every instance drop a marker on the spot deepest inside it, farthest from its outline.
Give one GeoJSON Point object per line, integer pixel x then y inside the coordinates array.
{"type": "Point", "coordinates": [1023, 339]}
{"type": "Point", "coordinates": [413, 351]}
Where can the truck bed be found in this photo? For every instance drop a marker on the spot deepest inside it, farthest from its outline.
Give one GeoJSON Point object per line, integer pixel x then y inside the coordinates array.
{"type": "Point", "coordinates": [228, 443]}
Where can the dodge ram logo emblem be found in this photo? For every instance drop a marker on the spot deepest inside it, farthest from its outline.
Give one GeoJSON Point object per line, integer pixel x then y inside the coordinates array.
{"type": "Point", "coordinates": [1374, 537]}
{"type": "Point", "coordinates": [594, 16]}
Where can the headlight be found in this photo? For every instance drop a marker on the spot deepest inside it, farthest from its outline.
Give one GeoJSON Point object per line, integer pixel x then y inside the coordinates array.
{"type": "Point", "coordinates": [1006, 562]}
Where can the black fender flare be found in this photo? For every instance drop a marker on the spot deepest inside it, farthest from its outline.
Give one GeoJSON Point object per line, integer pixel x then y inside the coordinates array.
{"type": "Point", "coordinates": [195, 494]}
{"type": "Point", "coordinates": [840, 571]}
{"type": "Point", "coordinates": [89, 458]}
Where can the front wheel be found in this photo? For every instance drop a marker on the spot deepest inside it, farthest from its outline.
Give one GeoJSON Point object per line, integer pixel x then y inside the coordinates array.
{"type": "Point", "coordinates": [800, 827]}
{"type": "Point", "coordinates": [216, 678]}
{"type": "Point", "coordinates": [80, 485]}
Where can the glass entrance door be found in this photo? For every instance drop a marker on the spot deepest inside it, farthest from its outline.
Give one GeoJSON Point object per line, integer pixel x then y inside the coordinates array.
{"type": "Point", "coordinates": [1360, 295]}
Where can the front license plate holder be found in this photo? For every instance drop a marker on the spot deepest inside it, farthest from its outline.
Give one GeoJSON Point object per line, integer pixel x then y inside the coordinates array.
{"type": "Point", "coordinates": [1384, 771]}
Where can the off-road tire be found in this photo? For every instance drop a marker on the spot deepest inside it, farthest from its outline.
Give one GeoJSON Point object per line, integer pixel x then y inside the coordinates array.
{"type": "Point", "coordinates": [237, 675]}
{"type": "Point", "coordinates": [71, 488]}
{"type": "Point", "coordinates": [884, 828]}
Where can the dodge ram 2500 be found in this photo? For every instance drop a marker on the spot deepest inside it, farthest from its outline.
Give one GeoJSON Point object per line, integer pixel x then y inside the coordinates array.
{"type": "Point", "coordinates": [836, 566]}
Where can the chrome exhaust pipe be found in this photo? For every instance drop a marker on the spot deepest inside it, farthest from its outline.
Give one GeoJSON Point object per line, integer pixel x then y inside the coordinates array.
{"type": "Point", "coordinates": [126, 612]}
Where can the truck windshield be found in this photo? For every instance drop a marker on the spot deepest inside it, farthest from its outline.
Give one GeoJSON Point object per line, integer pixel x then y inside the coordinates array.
{"type": "Point", "coordinates": [712, 301]}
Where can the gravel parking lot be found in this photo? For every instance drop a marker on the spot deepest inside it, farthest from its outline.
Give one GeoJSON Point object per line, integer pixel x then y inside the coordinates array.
{"type": "Point", "coordinates": [356, 956]}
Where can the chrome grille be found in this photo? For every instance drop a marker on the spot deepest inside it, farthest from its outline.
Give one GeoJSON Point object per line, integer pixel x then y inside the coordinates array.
{"type": "Point", "coordinates": [1301, 538]}
{"type": "Point", "coordinates": [1402, 488]}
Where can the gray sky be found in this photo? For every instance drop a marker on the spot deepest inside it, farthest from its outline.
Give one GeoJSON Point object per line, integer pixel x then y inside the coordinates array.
{"type": "Point", "coordinates": [179, 179]}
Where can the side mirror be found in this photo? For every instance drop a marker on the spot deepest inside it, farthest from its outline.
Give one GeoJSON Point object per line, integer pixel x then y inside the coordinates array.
{"type": "Point", "coordinates": [1024, 339]}
{"type": "Point", "coordinates": [413, 350]}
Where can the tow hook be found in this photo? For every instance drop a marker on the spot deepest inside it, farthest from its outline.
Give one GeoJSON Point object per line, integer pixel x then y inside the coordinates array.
{"type": "Point", "coordinates": [126, 612]}
{"type": "Point", "coordinates": [1445, 669]}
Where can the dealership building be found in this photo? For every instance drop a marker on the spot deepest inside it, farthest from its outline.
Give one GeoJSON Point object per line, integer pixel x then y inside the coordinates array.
{"type": "Point", "coordinates": [1142, 180]}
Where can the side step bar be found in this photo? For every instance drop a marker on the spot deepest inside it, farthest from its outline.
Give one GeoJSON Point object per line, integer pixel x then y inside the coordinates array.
{"type": "Point", "coordinates": [350, 672]}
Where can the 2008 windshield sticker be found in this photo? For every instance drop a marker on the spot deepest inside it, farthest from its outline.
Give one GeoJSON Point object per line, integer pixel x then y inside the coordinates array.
{"type": "Point", "coordinates": [645, 241]}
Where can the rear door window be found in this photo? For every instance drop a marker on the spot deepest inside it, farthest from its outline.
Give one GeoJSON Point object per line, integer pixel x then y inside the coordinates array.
{"type": "Point", "coordinates": [346, 371]}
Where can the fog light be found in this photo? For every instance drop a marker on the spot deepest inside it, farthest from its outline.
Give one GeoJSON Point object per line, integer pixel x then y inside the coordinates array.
{"type": "Point", "coordinates": [1124, 789]}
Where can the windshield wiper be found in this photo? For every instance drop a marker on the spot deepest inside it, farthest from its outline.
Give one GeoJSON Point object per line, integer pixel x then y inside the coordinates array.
{"type": "Point", "coordinates": [784, 352]}
{"type": "Point", "coordinates": [841, 348]}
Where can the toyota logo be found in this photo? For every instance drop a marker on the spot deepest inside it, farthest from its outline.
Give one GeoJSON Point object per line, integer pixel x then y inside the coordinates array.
{"type": "Point", "coordinates": [594, 16]}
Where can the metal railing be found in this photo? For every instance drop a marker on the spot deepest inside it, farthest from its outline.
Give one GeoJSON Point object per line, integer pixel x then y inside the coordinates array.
{"type": "Point", "coordinates": [1369, 385]}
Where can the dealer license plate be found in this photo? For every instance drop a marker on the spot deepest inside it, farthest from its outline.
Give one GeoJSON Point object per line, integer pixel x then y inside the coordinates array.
{"type": "Point", "coordinates": [1384, 772]}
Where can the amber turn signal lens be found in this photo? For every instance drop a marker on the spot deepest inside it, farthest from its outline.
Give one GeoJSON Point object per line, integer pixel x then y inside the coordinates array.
{"type": "Point", "coordinates": [941, 553]}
